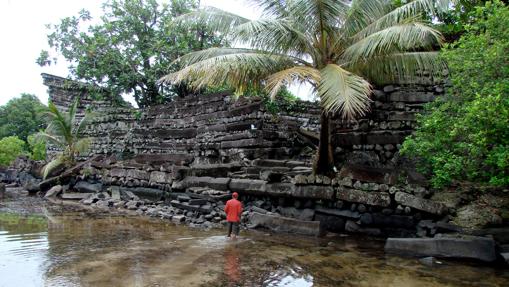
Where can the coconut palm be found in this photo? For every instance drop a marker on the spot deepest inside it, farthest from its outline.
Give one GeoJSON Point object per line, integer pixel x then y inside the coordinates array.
{"type": "Point", "coordinates": [65, 132]}
{"type": "Point", "coordinates": [338, 47]}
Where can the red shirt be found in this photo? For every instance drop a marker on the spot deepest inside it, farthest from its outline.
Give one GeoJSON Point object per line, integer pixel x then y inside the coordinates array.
{"type": "Point", "coordinates": [233, 210]}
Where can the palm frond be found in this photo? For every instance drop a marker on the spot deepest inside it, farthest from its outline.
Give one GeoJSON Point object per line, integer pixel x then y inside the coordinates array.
{"type": "Point", "coordinates": [343, 92]}
{"type": "Point", "coordinates": [52, 165]}
{"type": "Point", "coordinates": [197, 56]}
{"type": "Point", "coordinates": [319, 15]}
{"type": "Point", "coordinates": [399, 38]}
{"type": "Point", "coordinates": [274, 35]}
{"type": "Point", "coordinates": [282, 78]}
{"type": "Point", "coordinates": [58, 123]}
{"type": "Point", "coordinates": [271, 8]}
{"type": "Point", "coordinates": [216, 19]}
{"type": "Point", "coordinates": [402, 67]}
{"type": "Point", "coordinates": [72, 110]}
{"type": "Point", "coordinates": [58, 141]}
{"type": "Point", "coordinates": [370, 16]}
{"type": "Point", "coordinates": [236, 70]}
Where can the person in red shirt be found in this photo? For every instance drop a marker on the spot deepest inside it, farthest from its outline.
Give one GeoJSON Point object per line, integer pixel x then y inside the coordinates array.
{"type": "Point", "coordinates": [233, 210]}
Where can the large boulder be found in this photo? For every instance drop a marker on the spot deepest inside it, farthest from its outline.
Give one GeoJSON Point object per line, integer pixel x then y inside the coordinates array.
{"type": "Point", "coordinates": [485, 211]}
{"type": "Point", "coordinates": [479, 248]}
{"type": "Point", "coordinates": [475, 216]}
{"type": "Point", "coordinates": [285, 224]}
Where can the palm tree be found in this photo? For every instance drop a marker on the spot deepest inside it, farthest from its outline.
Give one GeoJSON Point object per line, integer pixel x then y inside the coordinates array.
{"type": "Point", "coordinates": [64, 132]}
{"type": "Point", "coordinates": [337, 46]}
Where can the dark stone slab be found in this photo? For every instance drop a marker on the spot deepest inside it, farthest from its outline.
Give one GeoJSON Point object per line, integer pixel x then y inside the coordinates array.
{"type": "Point", "coordinates": [371, 198]}
{"type": "Point", "coordinates": [397, 221]}
{"type": "Point", "coordinates": [501, 234]}
{"type": "Point", "coordinates": [159, 159]}
{"type": "Point", "coordinates": [76, 196]}
{"type": "Point", "coordinates": [479, 248]}
{"type": "Point", "coordinates": [302, 214]}
{"type": "Point", "coordinates": [206, 209]}
{"type": "Point", "coordinates": [174, 133]}
{"type": "Point", "coordinates": [353, 227]}
{"type": "Point", "coordinates": [217, 183]}
{"type": "Point", "coordinates": [213, 170]}
{"type": "Point", "coordinates": [313, 192]}
{"type": "Point", "coordinates": [331, 223]}
{"type": "Point", "coordinates": [197, 201]}
{"type": "Point", "coordinates": [386, 137]}
{"type": "Point", "coordinates": [153, 194]}
{"type": "Point", "coordinates": [246, 109]}
{"type": "Point", "coordinates": [411, 97]}
{"type": "Point", "coordinates": [241, 126]}
{"type": "Point", "coordinates": [364, 173]}
{"type": "Point", "coordinates": [138, 174]}
{"type": "Point", "coordinates": [256, 142]}
{"type": "Point", "coordinates": [84, 186]}
{"type": "Point", "coordinates": [348, 139]}
{"type": "Point", "coordinates": [248, 186]}
{"type": "Point", "coordinates": [285, 224]}
{"type": "Point", "coordinates": [341, 213]}
{"type": "Point", "coordinates": [118, 172]}
{"type": "Point", "coordinates": [420, 203]}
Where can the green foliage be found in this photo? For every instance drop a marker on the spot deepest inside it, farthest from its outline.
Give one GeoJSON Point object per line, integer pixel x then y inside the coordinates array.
{"type": "Point", "coordinates": [134, 45]}
{"type": "Point", "coordinates": [465, 136]}
{"type": "Point", "coordinates": [285, 101]}
{"type": "Point", "coordinates": [10, 148]}
{"type": "Point", "coordinates": [64, 131]}
{"type": "Point", "coordinates": [37, 147]}
{"type": "Point", "coordinates": [337, 47]}
{"type": "Point", "coordinates": [21, 117]}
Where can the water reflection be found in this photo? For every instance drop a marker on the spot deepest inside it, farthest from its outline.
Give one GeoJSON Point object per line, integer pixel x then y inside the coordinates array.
{"type": "Point", "coordinates": [75, 250]}
{"type": "Point", "coordinates": [232, 265]}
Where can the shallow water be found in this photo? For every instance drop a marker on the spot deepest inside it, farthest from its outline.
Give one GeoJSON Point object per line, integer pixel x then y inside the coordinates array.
{"type": "Point", "coordinates": [76, 250]}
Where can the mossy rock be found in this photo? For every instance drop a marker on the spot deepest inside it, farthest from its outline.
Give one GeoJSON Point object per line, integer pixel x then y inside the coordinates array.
{"type": "Point", "coordinates": [450, 199]}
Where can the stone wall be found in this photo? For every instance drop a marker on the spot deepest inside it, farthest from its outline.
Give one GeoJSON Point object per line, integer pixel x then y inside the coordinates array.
{"type": "Point", "coordinates": [201, 148]}
{"type": "Point", "coordinates": [218, 129]}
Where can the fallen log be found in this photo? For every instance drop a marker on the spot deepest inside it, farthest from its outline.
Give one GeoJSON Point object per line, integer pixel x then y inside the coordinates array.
{"type": "Point", "coordinates": [66, 175]}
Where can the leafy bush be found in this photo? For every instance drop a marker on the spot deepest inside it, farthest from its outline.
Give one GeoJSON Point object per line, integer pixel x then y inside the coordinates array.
{"type": "Point", "coordinates": [10, 148]}
{"type": "Point", "coordinates": [465, 135]}
{"type": "Point", "coordinates": [284, 101]}
{"type": "Point", "coordinates": [37, 148]}
{"type": "Point", "coordinates": [21, 117]}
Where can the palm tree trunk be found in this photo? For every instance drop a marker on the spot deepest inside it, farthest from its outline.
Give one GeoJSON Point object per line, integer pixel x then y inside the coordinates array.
{"type": "Point", "coordinates": [324, 164]}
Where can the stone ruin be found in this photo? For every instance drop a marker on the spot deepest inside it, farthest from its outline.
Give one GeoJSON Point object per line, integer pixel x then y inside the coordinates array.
{"type": "Point", "coordinates": [193, 152]}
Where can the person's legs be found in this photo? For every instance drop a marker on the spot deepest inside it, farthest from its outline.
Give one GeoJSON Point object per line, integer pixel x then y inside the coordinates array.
{"type": "Point", "coordinates": [235, 228]}
{"type": "Point", "coordinates": [229, 226]}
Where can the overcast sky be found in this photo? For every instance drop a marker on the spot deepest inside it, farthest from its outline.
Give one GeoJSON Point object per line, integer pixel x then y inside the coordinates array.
{"type": "Point", "coordinates": [23, 34]}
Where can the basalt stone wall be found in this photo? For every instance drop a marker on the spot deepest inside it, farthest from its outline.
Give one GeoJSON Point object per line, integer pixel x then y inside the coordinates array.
{"type": "Point", "coordinates": [201, 148]}
{"type": "Point", "coordinates": [216, 129]}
